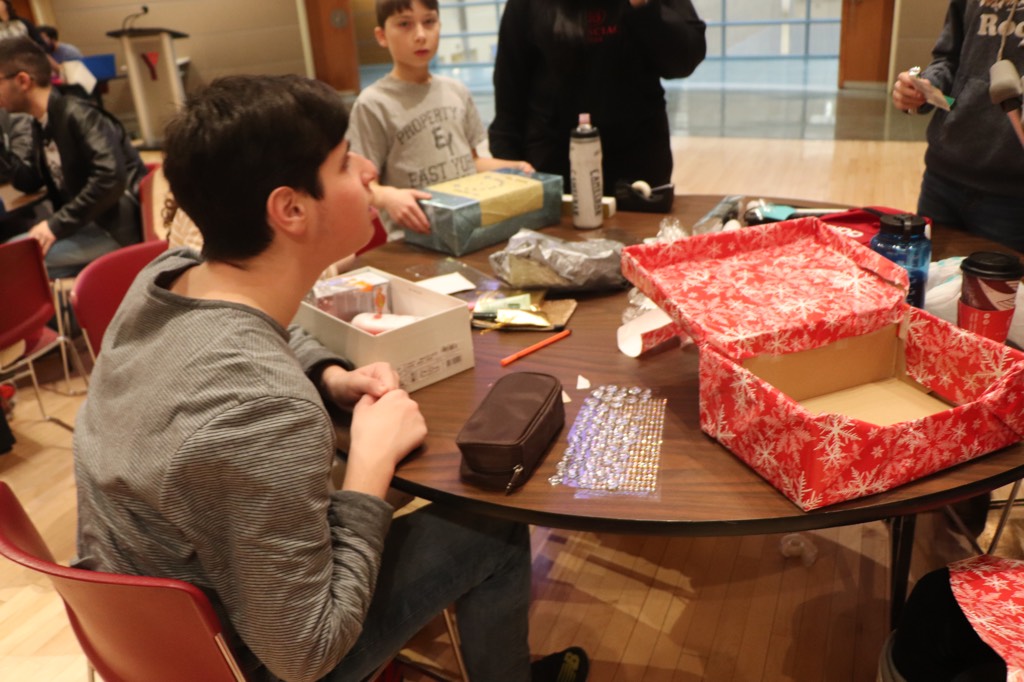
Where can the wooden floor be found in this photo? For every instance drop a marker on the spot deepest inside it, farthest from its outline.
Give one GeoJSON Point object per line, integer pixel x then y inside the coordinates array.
{"type": "Point", "coordinates": [652, 609]}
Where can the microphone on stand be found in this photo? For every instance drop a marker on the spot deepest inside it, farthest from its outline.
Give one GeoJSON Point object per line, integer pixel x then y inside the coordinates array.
{"type": "Point", "coordinates": [129, 20]}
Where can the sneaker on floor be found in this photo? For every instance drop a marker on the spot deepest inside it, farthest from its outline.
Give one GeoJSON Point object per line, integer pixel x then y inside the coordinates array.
{"type": "Point", "coordinates": [570, 665]}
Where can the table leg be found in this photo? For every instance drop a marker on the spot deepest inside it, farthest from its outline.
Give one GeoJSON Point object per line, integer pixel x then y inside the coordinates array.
{"type": "Point", "coordinates": [902, 546]}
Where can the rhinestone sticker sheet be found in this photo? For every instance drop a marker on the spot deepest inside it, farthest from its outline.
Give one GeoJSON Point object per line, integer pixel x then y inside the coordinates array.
{"type": "Point", "coordinates": [615, 442]}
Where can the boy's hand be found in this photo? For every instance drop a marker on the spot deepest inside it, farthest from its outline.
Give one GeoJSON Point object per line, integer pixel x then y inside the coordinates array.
{"type": "Point", "coordinates": [523, 166]}
{"type": "Point", "coordinates": [402, 206]}
{"type": "Point", "coordinates": [347, 388]}
{"type": "Point", "coordinates": [384, 430]}
{"type": "Point", "coordinates": [905, 96]}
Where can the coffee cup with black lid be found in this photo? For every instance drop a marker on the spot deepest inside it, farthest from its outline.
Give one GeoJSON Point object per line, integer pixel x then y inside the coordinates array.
{"type": "Point", "coordinates": [989, 293]}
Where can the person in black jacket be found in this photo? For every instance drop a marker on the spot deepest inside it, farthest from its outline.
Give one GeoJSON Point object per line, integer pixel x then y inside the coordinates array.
{"type": "Point", "coordinates": [86, 163]}
{"type": "Point", "coordinates": [18, 167]}
{"type": "Point", "coordinates": [559, 58]}
{"type": "Point", "coordinates": [16, 147]}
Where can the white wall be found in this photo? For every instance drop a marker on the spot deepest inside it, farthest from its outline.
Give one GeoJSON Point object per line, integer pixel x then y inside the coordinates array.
{"type": "Point", "coordinates": [915, 29]}
{"type": "Point", "coordinates": [225, 37]}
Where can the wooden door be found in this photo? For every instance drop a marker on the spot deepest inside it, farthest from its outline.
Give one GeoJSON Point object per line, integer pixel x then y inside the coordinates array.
{"type": "Point", "coordinates": [24, 9]}
{"type": "Point", "coordinates": [866, 34]}
{"type": "Point", "coordinates": [332, 39]}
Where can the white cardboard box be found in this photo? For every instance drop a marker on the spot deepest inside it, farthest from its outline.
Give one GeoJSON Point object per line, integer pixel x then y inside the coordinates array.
{"type": "Point", "coordinates": [424, 352]}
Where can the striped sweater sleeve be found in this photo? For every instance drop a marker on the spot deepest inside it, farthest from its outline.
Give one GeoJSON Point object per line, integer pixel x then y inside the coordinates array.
{"type": "Point", "coordinates": [293, 564]}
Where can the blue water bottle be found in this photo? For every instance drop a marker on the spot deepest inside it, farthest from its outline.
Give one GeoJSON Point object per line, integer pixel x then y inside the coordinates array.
{"type": "Point", "coordinates": [902, 240]}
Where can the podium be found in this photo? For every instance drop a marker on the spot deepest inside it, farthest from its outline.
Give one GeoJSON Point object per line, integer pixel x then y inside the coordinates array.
{"type": "Point", "coordinates": [153, 76]}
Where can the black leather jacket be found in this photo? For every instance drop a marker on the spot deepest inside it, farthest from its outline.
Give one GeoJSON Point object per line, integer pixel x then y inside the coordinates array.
{"type": "Point", "coordinates": [99, 165]}
{"type": "Point", "coordinates": [17, 150]}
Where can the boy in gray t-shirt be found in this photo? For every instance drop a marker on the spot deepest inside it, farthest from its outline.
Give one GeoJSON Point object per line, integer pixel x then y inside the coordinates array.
{"type": "Point", "coordinates": [418, 128]}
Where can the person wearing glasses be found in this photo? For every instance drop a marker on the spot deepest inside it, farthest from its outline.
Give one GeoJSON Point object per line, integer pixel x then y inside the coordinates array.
{"type": "Point", "coordinates": [85, 159]}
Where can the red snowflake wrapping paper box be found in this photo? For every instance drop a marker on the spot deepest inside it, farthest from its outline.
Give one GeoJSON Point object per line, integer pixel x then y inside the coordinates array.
{"type": "Point", "coordinates": [813, 369]}
{"type": "Point", "coordinates": [990, 592]}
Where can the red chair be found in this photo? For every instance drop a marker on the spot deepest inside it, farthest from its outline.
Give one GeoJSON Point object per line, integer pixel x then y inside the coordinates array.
{"type": "Point", "coordinates": [134, 628]}
{"type": "Point", "coordinates": [131, 628]}
{"type": "Point", "coordinates": [28, 304]}
{"type": "Point", "coordinates": [380, 235]}
{"type": "Point", "coordinates": [99, 288]}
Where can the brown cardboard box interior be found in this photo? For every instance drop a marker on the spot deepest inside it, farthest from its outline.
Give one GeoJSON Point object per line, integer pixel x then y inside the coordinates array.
{"type": "Point", "coordinates": [861, 377]}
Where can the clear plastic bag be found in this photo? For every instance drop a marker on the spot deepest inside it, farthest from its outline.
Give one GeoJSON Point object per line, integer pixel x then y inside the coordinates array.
{"type": "Point", "coordinates": [669, 230]}
{"type": "Point", "coordinates": [532, 260]}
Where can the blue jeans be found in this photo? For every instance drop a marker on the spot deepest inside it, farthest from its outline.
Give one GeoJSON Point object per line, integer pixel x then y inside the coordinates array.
{"type": "Point", "coordinates": [434, 558]}
{"type": "Point", "coordinates": [69, 255]}
{"type": "Point", "coordinates": [950, 204]}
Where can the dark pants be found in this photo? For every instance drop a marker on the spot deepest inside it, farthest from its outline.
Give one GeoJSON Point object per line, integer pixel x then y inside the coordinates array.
{"type": "Point", "coordinates": [70, 254]}
{"type": "Point", "coordinates": [6, 437]}
{"type": "Point", "coordinates": [992, 216]}
{"type": "Point", "coordinates": [934, 642]}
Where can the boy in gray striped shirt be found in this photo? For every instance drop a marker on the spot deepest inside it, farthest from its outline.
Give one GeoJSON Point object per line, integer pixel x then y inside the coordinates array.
{"type": "Point", "coordinates": [203, 451]}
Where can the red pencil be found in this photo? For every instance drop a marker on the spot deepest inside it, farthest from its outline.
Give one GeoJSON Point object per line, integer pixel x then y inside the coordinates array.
{"type": "Point", "coordinates": [537, 346]}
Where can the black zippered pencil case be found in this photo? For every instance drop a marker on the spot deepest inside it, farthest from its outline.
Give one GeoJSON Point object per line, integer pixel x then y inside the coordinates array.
{"type": "Point", "coordinates": [511, 430]}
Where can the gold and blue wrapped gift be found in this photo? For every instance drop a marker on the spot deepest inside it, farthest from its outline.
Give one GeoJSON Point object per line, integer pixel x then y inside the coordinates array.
{"type": "Point", "coordinates": [479, 210]}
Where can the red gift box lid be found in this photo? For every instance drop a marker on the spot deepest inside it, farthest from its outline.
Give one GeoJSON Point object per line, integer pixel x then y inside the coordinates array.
{"type": "Point", "coordinates": [990, 592]}
{"type": "Point", "coordinates": [770, 289]}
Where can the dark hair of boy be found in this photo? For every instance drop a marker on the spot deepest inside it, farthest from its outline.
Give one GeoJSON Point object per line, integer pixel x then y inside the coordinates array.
{"type": "Point", "coordinates": [49, 31]}
{"type": "Point", "coordinates": [239, 139]}
{"type": "Point", "coordinates": [387, 8]}
{"type": "Point", "coordinates": [24, 54]}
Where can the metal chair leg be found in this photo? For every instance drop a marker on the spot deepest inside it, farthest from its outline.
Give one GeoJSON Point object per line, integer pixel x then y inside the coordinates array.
{"type": "Point", "coordinates": [428, 669]}
{"type": "Point", "coordinates": [76, 360]}
{"type": "Point", "coordinates": [453, 635]}
{"type": "Point", "coordinates": [29, 370]}
{"type": "Point", "coordinates": [1004, 517]}
{"type": "Point", "coordinates": [58, 305]}
{"type": "Point", "coordinates": [959, 523]}
{"type": "Point", "coordinates": [39, 399]}
{"type": "Point", "coordinates": [62, 308]}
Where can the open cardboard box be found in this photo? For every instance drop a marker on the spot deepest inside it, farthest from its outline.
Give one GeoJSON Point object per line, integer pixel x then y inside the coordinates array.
{"type": "Point", "coordinates": [424, 352]}
{"type": "Point", "coordinates": [862, 377]}
{"type": "Point", "coordinates": [816, 373]}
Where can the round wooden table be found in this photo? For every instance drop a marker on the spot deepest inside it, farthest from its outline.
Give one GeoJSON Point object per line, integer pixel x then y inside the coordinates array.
{"type": "Point", "coordinates": [702, 489]}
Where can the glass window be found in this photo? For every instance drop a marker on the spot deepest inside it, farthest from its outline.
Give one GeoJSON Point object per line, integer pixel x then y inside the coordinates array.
{"type": "Point", "coordinates": [824, 40]}
{"type": "Point", "coordinates": [736, 28]}
{"type": "Point", "coordinates": [709, 10]}
{"type": "Point", "coordinates": [826, 9]}
{"type": "Point", "coordinates": [771, 30]}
